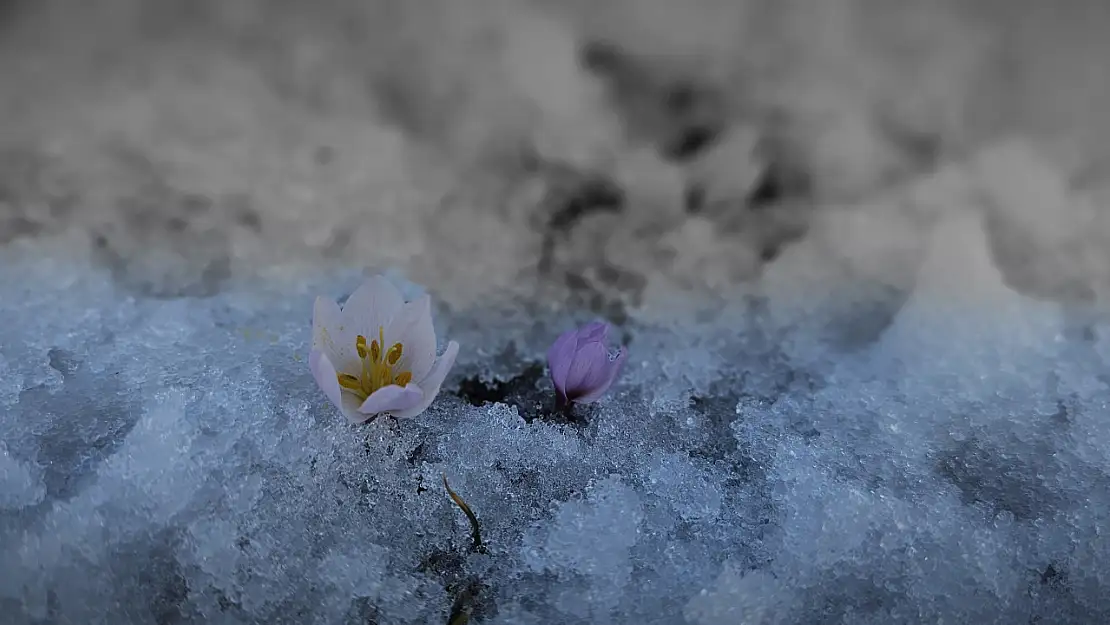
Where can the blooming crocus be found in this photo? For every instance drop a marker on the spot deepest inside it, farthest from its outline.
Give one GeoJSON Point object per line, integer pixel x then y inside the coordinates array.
{"type": "Point", "coordinates": [378, 354]}
{"type": "Point", "coordinates": [582, 367]}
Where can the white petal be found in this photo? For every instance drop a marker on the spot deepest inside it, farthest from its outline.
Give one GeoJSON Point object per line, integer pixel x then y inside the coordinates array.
{"type": "Point", "coordinates": [391, 399]}
{"type": "Point", "coordinates": [351, 404]}
{"type": "Point", "coordinates": [413, 328]}
{"type": "Point", "coordinates": [324, 373]}
{"type": "Point", "coordinates": [372, 305]}
{"type": "Point", "coordinates": [432, 383]}
{"type": "Point", "coordinates": [328, 338]}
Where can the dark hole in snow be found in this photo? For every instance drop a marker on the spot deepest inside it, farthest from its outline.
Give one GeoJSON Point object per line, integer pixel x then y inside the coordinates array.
{"type": "Point", "coordinates": [362, 612]}
{"type": "Point", "coordinates": [524, 392]}
{"type": "Point", "coordinates": [472, 603]}
{"type": "Point", "coordinates": [1052, 576]}
{"type": "Point", "coordinates": [472, 598]}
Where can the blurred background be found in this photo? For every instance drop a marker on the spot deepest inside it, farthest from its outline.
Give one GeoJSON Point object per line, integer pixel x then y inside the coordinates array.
{"type": "Point", "coordinates": [611, 149]}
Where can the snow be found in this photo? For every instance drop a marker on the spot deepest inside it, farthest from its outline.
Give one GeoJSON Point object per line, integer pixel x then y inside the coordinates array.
{"type": "Point", "coordinates": [879, 400]}
{"type": "Point", "coordinates": [174, 457]}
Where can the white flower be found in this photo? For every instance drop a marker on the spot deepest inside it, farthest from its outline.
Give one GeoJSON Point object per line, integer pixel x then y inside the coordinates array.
{"type": "Point", "coordinates": [378, 354]}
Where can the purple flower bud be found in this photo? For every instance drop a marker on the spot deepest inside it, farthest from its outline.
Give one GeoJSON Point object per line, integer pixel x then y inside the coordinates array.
{"type": "Point", "coordinates": [582, 367]}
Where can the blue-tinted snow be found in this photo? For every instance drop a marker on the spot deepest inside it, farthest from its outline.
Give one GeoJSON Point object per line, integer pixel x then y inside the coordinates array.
{"type": "Point", "coordinates": [171, 461]}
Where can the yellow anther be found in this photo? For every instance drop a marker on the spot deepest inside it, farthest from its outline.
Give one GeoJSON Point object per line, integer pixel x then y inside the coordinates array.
{"type": "Point", "coordinates": [350, 382]}
{"type": "Point", "coordinates": [394, 354]}
{"type": "Point", "coordinates": [376, 368]}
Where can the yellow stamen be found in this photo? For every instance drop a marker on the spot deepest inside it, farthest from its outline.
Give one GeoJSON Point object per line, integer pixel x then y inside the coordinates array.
{"type": "Point", "coordinates": [367, 368]}
{"type": "Point", "coordinates": [384, 376]}
{"type": "Point", "coordinates": [394, 354]}
{"type": "Point", "coordinates": [349, 382]}
{"type": "Point", "coordinates": [376, 368]}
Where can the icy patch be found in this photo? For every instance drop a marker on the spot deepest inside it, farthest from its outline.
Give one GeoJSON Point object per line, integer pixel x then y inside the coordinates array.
{"type": "Point", "coordinates": [693, 492]}
{"type": "Point", "coordinates": [20, 486]}
{"type": "Point", "coordinates": [592, 540]}
{"type": "Point", "coordinates": [11, 382]}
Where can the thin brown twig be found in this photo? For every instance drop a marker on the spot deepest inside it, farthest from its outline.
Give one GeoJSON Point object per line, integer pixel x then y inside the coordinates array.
{"type": "Point", "coordinates": [476, 530]}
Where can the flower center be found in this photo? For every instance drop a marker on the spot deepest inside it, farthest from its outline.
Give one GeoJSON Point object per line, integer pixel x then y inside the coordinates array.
{"type": "Point", "coordinates": [377, 367]}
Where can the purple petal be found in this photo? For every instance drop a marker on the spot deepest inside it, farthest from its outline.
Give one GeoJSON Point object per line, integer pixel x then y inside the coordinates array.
{"type": "Point", "coordinates": [559, 359]}
{"type": "Point", "coordinates": [587, 371]}
{"type": "Point", "coordinates": [593, 332]}
{"type": "Point", "coordinates": [392, 397]}
{"type": "Point", "coordinates": [611, 371]}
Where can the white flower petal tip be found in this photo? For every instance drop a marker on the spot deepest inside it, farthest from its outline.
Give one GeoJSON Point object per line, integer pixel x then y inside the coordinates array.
{"type": "Point", "coordinates": [433, 382]}
{"type": "Point", "coordinates": [376, 354]}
